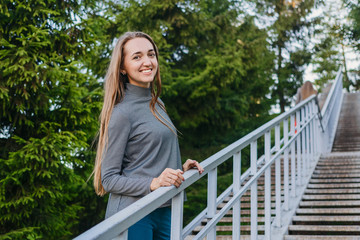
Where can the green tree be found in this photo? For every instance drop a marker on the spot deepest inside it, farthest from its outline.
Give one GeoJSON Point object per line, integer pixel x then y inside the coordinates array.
{"type": "Point", "coordinates": [290, 34]}
{"type": "Point", "coordinates": [354, 29]}
{"type": "Point", "coordinates": [48, 118]}
{"type": "Point", "coordinates": [216, 67]}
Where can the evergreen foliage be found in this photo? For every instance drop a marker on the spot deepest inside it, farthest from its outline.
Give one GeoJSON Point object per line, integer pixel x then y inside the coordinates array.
{"type": "Point", "coordinates": [49, 110]}
{"type": "Point", "coordinates": [326, 60]}
{"type": "Point", "coordinates": [216, 69]}
{"type": "Point", "coordinates": [290, 35]}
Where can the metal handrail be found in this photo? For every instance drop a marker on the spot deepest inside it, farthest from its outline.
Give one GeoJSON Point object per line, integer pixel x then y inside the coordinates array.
{"type": "Point", "coordinates": [296, 146]}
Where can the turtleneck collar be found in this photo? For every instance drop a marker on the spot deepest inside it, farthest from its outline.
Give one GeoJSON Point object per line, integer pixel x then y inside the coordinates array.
{"type": "Point", "coordinates": [138, 91]}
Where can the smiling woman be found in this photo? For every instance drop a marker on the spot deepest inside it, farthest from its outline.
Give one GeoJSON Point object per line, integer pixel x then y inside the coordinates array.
{"type": "Point", "coordinates": [140, 62]}
{"type": "Point", "coordinates": [138, 149]}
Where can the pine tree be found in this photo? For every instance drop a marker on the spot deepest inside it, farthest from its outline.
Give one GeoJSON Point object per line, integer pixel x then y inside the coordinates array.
{"type": "Point", "coordinates": [215, 66]}
{"type": "Point", "coordinates": [290, 29]}
{"type": "Point", "coordinates": [49, 111]}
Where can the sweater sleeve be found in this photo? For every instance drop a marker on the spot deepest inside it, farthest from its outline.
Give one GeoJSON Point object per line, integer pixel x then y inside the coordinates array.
{"type": "Point", "coordinates": [111, 167]}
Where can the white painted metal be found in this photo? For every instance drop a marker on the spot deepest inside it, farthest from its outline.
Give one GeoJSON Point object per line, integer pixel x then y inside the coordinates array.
{"type": "Point", "coordinates": [211, 200]}
{"type": "Point", "coordinates": [307, 141]}
{"type": "Point", "coordinates": [286, 164]}
{"type": "Point", "coordinates": [277, 179]}
{"type": "Point", "coordinates": [267, 186]}
{"type": "Point", "coordinates": [177, 206]}
{"type": "Point", "coordinates": [293, 167]}
{"type": "Point", "coordinates": [303, 153]}
{"type": "Point", "coordinates": [253, 198]}
{"type": "Point", "coordinates": [236, 188]}
{"type": "Point", "coordinates": [298, 148]}
{"type": "Point", "coordinates": [122, 236]}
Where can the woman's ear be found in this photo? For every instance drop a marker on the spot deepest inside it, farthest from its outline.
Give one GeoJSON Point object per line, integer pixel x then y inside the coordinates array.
{"type": "Point", "coordinates": [123, 72]}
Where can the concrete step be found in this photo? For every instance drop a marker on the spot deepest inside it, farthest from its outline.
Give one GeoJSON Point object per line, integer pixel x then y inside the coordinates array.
{"type": "Point", "coordinates": [333, 191]}
{"type": "Point", "coordinates": [330, 163]}
{"type": "Point", "coordinates": [331, 197]}
{"type": "Point", "coordinates": [332, 176]}
{"type": "Point", "coordinates": [317, 237]}
{"type": "Point", "coordinates": [336, 185]}
{"type": "Point", "coordinates": [228, 228]}
{"type": "Point", "coordinates": [229, 220]}
{"type": "Point", "coordinates": [328, 211]}
{"type": "Point", "coordinates": [247, 212]}
{"type": "Point", "coordinates": [336, 180]}
{"type": "Point", "coordinates": [326, 220]}
{"type": "Point", "coordinates": [338, 204]}
{"type": "Point", "coordinates": [259, 198]}
{"type": "Point", "coordinates": [337, 171]}
{"type": "Point", "coordinates": [324, 229]}
{"type": "Point", "coordinates": [247, 205]}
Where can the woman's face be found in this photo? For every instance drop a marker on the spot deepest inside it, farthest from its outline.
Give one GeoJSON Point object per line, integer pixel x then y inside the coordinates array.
{"type": "Point", "coordinates": [140, 63]}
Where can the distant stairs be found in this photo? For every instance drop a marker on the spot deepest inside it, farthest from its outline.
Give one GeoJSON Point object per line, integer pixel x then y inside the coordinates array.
{"type": "Point", "coordinates": [330, 206]}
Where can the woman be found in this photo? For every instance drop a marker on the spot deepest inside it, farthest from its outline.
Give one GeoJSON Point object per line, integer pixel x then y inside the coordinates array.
{"type": "Point", "coordinates": [138, 149]}
{"type": "Point", "coordinates": [305, 91]}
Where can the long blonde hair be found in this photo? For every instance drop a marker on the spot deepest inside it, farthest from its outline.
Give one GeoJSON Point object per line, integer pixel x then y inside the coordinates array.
{"type": "Point", "coordinates": [114, 92]}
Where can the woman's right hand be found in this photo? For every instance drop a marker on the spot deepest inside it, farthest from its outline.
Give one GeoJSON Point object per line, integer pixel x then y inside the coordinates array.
{"type": "Point", "coordinates": [167, 178]}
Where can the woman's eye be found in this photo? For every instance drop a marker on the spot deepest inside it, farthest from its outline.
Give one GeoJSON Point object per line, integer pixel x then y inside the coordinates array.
{"type": "Point", "coordinates": [136, 57]}
{"type": "Point", "coordinates": [152, 54]}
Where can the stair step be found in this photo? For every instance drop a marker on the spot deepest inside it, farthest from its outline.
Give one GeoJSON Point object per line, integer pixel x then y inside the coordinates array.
{"type": "Point", "coordinates": [328, 211]}
{"type": "Point", "coordinates": [321, 230]}
{"type": "Point", "coordinates": [247, 212]}
{"type": "Point", "coordinates": [332, 197]}
{"type": "Point", "coordinates": [335, 180]}
{"type": "Point", "coordinates": [332, 191]}
{"type": "Point", "coordinates": [326, 220]}
{"type": "Point", "coordinates": [245, 228]}
{"type": "Point", "coordinates": [247, 205]}
{"type": "Point", "coordinates": [229, 220]}
{"type": "Point", "coordinates": [260, 199]}
{"type": "Point", "coordinates": [331, 176]}
{"type": "Point", "coordinates": [228, 237]}
{"type": "Point", "coordinates": [330, 204]}
{"type": "Point", "coordinates": [335, 185]}
{"type": "Point", "coordinates": [336, 171]}
{"type": "Point", "coordinates": [317, 237]}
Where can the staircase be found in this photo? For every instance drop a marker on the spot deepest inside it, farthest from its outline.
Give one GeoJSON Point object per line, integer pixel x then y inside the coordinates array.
{"type": "Point", "coordinates": [330, 207]}
{"type": "Point", "coordinates": [224, 227]}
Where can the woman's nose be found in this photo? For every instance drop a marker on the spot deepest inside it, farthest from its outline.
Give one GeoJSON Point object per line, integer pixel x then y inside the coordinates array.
{"type": "Point", "coordinates": [147, 61]}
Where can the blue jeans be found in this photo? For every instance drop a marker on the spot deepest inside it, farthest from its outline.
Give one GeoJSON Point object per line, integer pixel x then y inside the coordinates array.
{"type": "Point", "coordinates": [156, 225]}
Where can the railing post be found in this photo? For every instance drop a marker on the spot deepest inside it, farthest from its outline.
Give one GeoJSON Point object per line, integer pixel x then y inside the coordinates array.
{"type": "Point", "coordinates": [316, 130]}
{"type": "Point", "coordinates": [211, 200]}
{"type": "Point", "coordinates": [303, 152]}
{"type": "Point", "coordinates": [253, 201]}
{"type": "Point", "coordinates": [267, 184]}
{"type": "Point", "coordinates": [277, 179]}
{"type": "Point", "coordinates": [177, 206]}
{"type": "Point", "coordinates": [236, 227]}
{"type": "Point", "coordinates": [298, 150]}
{"type": "Point", "coordinates": [308, 139]}
{"type": "Point", "coordinates": [318, 139]}
{"type": "Point", "coordinates": [293, 160]}
{"type": "Point", "coordinates": [286, 164]}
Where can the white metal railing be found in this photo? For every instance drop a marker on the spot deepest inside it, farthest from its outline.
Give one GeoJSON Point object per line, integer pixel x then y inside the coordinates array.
{"type": "Point", "coordinates": [299, 145]}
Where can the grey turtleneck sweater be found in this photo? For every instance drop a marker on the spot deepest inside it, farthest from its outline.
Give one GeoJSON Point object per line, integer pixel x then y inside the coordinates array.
{"type": "Point", "coordinates": [139, 148]}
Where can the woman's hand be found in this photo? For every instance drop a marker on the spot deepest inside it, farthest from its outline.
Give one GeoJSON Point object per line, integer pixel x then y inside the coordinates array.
{"type": "Point", "coordinates": [189, 164]}
{"type": "Point", "coordinates": [167, 178]}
